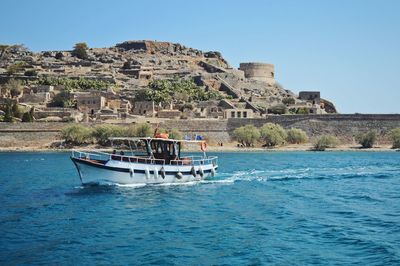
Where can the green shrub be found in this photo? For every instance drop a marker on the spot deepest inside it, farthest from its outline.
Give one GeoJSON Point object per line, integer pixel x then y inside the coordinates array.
{"type": "Point", "coordinates": [273, 134]}
{"type": "Point", "coordinates": [127, 65]}
{"type": "Point", "coordinates": [77, 134]}
{"type": "Point", "coordinates": [14, 86]}
{"type": "Point", "coordinates": [143, 130]}
{"type": "Point", "coordinates": [102, 133]}
{"type": "Point", "coordinates": [16, 67]}
{"type": "Point", "coordinates": [63, 99]}
{"type": "Point", "coordinates": [395, 136]}
{"type": "Point", "coordinates": [130, 132]}
{"type": "Point", "coordinates": [68, 119]}
{"type": "Point", "coordinates": [324, 142]}
{"type": "Point", "coordinates": [247, 135]}
{"type": "Point", "coordinates": [31, 73]}
{"type": "Point", "coordinates": [303, 111]}
{"type": "Point", "coordinates": [80, 50]}
{"type": "Point", "coordinates": [288, 100]}
{"type": "Point", "coordinates": [27, 117]}
{"type": "Point", "coordinates": [59, 55]}
{"type": "Point", "coordinates": [296, 136]}
{"type": "Point", "coordinates": [279, 109]}
{"type": "Point", "coordinates": [366, 140]}
{"type": "Point", "coordinates": [8, 116]}
{"type": "Point", "coordinates": [175, 134]}
{"type": "Point", "coordinates": [16, 111]}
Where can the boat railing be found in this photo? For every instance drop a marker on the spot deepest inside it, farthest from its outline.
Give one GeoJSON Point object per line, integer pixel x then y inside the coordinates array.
{"type": "Point", "coordinates": [198, 160]}
{"type": "Point", "coordinates": [103, 156]}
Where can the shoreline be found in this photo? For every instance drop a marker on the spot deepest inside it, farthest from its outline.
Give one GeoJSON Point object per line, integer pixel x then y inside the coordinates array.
{"type": "Point", "coordinates": [227, 148]}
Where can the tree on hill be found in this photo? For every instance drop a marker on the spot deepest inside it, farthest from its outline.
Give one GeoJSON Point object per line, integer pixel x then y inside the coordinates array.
{"type": "Point", "coordinates": [288, 101]}
{"type": "Point", "coordinates": [273, 134]}
{"type": "Point", "coordinates": [14, 87]}
{"type": "Point", "coordinates": [59, 55]}
{"type": "Point", "coordinates": [395, 136]}
{"type": "Point", "coordinates": [3, 49]}
{"type": "Point", "coordinates": [80, 50]}
{"type": "Point", "coordinates": [127, 65]}
{"type": "Point", "coordinates": [366, 140]}
{"type": "Point", "coordinates": [27, 117]}
{"type": "Point", "coordinates": [247, 135]}
{"type": "Point", "coordinates": [16, 112]}
{"type": "Point", "coordinates": [143, 130]}
{"type": "Point", "coordinates": [63, 99]}
{"type": "Point", "coordinates": [8, 116]}
{"type": "Point", "coordinates": [296, 136]}
{"type": "Point", "coordinates": [77, 134]}
{"type": "Point", "coordinates": [278, 109]}
{"type": "Point", "coordinates": [303, 111]}
{"type": "Point", "coordinates": [15, 68]}
{"type": "Point", "coordinates": [324, 142]}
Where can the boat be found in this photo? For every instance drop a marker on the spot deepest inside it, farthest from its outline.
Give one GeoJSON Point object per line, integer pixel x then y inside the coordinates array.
{"type": "Point", "coordinates": [152, 161]}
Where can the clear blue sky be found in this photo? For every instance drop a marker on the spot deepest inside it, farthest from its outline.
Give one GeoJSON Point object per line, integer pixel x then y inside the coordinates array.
{"type": "Point", "coordinates": [347, 49]}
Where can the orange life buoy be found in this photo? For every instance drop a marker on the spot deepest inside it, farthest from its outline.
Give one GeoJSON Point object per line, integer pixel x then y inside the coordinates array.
{"type": "Point", "coordinates": [162, 135]}
{"type": "Point", "coordinates": [203, 146]}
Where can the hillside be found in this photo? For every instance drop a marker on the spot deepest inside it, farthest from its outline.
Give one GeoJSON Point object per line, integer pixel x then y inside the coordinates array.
{"type": "Point", "coordinates": [131, 65]}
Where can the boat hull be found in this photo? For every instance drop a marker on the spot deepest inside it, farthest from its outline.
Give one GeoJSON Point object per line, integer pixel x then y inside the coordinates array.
{"type": "Point", "coordinates": [136, 173]}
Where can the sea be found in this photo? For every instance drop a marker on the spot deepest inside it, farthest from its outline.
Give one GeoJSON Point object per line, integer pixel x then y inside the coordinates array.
{"type": "Point", "coordinates": [262, 208]}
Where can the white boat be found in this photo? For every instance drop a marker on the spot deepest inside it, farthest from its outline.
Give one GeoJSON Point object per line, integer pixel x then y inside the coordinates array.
{"type": "Point", "coordinates": [159, 162]}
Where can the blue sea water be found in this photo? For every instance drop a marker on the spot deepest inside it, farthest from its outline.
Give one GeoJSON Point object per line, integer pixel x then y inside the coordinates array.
{"type": "Point", "coordinates": [279, 208]}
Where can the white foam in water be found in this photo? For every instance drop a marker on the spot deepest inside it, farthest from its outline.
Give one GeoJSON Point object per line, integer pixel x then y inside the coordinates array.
{"type": "Point", "coordinates": [131, 185]}
{"type": "Point", "coordinates": [223, 181]}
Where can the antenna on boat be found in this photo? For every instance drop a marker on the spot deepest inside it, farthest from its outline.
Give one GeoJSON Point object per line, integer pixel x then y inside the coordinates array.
{"type": "Point", "coordinates": [130, 148]}
{"type": "Point", "coordinates": [155, 130]}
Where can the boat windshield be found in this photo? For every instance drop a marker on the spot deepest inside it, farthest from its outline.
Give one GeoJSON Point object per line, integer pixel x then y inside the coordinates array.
{"type": "Point", "coordinates": [164, 150]}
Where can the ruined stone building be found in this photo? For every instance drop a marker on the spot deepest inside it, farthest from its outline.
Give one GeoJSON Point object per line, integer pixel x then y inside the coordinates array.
{"type": "Point", "coordinates": [89, 102]}
{"type": "Point", "coordinates": [310, 96]}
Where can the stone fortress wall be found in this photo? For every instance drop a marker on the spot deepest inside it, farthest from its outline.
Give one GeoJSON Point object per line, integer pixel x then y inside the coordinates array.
{"type": "Point", "coordinates": [343, 126]}
{"type": "Point", "coordinates": [259, 71]}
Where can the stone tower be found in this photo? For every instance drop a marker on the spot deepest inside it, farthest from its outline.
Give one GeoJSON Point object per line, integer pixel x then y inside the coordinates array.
{"type": "Point", "coordinates": [259, 71]}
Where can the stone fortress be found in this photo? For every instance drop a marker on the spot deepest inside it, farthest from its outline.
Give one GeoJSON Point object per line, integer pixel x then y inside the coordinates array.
{"type": "Point", "coordinates": [259, 71]}
{"type": "Point", "coordinates": [247, 92]}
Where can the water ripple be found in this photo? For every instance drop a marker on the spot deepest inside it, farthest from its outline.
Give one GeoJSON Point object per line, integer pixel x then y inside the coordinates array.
{"type": "Point", "coordinates": [261, 208]}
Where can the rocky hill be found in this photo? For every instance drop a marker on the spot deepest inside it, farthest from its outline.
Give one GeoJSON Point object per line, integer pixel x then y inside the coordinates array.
{"type": "Point", "coordinates": [132, 64]}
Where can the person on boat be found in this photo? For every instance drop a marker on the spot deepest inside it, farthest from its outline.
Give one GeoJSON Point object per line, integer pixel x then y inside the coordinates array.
{"type": "Point", "coordinates": [114, 152]}
{"type": "Point", "coordinates": [122, 153]}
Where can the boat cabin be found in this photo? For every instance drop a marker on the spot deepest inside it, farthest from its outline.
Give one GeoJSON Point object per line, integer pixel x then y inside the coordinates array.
{"type": "Point", "coordinates": [164, 150]}
{"type": "Point", "coordinates": [157, 150]}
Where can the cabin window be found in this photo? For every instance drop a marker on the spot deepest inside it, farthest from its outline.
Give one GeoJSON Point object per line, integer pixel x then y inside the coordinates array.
{"type": "Point", "coordinates": [83, 101]}
{"type": "Point", "coordinates": [239, 114]}
{"type": "Point", "coordinates": [244, 114]}
{"type": "Point", "coordinates": [233, 114]}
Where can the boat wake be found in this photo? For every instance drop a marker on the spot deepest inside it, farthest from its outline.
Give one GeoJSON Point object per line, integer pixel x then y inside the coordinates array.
{"type": "Point", "coordinates": [315, 173]}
